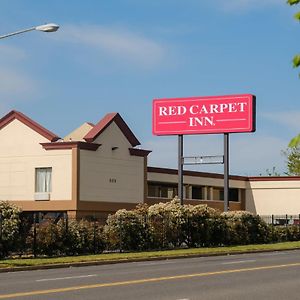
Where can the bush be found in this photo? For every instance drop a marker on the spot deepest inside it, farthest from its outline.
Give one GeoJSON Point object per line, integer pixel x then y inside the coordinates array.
{"type": "Point", "coordinates": [283, 233]}
{"type": "Point", "coordinates": [125, 230]}
{"type": "Point", "coordinates": [293, 233]}
{"type": "Point", "coordinates": [160, 226]}
{"type": "Point", "coordinates": [83, 237]}
{"type": "Point", "coordinates": [49, 239]}
{"type": "Point", "coordinates": [205, 226]}
{"type": "Point", "coordinates": [171, 225]}
{"type": "Point", "coordinates": [245, 228]}
{"type": "Point", "coordinates": [72, 238]}
{"type": "Point", "coordinates": [167, 224]}
{"type": "Point", "coordinates": [10, 223]}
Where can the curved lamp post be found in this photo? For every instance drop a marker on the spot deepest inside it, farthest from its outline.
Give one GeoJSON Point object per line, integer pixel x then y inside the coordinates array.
{"type": "Point", "coordinates": [51, 27]}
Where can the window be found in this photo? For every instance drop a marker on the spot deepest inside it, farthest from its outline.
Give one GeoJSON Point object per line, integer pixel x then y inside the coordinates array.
{"type": "Point", "coordinates": [162, 190]}
{"type": "Point", "coordinates": [43, 180]}
{"type": "Point", "coordinates": [197, 192]}
{"type": "Point", "coordinates": [234, 195]}
{"type": "Point", "coordinates": [218, 194]}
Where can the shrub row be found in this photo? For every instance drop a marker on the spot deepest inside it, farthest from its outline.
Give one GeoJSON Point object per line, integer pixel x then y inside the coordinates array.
{"type": "Point", "coordinates": [171, 225]}
{"type": "Point", "coordinates": [160, 226]}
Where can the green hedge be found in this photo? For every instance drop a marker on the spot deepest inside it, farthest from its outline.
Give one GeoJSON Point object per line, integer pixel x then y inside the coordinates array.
{"type": "Point", "coordinates": [171, 225]}
{"type": "Point", "coordinates": [160, 226]}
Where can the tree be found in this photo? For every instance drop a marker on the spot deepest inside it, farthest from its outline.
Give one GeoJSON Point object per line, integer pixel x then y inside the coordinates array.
{"type": "Point", "coordinates": [292, 154]}
{"type": "Point", "coordinates": [296, 59]}
{"type": "Point", "coordinates": [295, 141]}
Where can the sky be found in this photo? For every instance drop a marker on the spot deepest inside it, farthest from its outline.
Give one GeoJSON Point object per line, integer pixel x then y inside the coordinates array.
{"type": "Point", "coordinates": [118, 55]}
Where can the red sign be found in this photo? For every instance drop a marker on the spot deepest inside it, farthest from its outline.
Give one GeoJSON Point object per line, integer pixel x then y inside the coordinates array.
{"type": "Point", "coordinates": [203, 115]}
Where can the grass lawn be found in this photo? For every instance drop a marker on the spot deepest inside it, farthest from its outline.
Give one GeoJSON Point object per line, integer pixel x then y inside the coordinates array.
{"type": "Point", "coordinates": [21, 262]}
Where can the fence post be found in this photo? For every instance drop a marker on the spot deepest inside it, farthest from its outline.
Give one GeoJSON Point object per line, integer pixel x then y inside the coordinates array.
{"type": "Point", "coordinates": [272, 220]}
{"type": "Point", "coordinates": [1, 242]}
{"type": "Point", "coordinates": [286, 227]}
{"type": "Point", "coordinates": [67, 222]}
{"type": "Point", "coordinates": [121, 237]}
{"type": "Point", "coordinates": [0, 225]}
{"type": "Point", "coordinates": [188, 232]}
{"type": "Point", "coordinates": [34, 234]}
{"type": "Point", "coordinates": [94, 238]}
{"type": "Point", "coordinates": [163, 234]}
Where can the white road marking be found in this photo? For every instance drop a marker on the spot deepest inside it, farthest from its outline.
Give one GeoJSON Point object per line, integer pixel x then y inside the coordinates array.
{"type": "Point", "coordinates": [155, 263]}
{"type": "Point", "coordinates": [272, 254]}
{"type": "Point", "coordinates": [65, 278]}
{"type": "Point", "coordinates": [238, 262]}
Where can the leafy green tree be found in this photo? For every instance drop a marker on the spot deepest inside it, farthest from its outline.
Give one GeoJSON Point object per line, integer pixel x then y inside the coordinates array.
{"type": "Point", "coordinates": [292, 153]}
{"type": "Point", "coordinates": [296, 59]}
{"type": "Point", "coordinates": [296, 140]}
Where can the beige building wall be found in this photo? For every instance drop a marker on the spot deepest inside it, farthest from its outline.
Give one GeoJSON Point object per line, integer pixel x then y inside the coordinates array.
{"type": "Point", "coordinates": [111, 174]}
{"type": "Point", "coordinates": [278, 196]}
{"type": "Point", "coordinates": [20, 154]}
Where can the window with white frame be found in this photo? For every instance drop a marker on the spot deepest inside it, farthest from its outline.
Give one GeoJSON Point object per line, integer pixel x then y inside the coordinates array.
{"type": "Point", "coordinates": [43, 180]}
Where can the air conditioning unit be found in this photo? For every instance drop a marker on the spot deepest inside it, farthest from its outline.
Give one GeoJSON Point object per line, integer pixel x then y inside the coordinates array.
{"type": "Point", "coordinates": [42, 196]}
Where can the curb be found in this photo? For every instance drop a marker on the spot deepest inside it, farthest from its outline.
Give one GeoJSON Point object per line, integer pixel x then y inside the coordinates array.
{"type": "Point", "coordinates": [117, 261]}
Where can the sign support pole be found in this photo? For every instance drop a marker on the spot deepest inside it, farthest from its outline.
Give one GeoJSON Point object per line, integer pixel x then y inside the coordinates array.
{"type": "Point", "coordinates": [226, 172]}
{"type": "Point", "coordinates": [180, 168]}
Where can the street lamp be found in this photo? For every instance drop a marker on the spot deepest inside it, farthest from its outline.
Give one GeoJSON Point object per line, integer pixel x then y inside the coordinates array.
{"type": "Point", "coordinates": [51, 27]}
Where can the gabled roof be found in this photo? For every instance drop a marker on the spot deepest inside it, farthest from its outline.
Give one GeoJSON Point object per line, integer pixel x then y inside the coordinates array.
{"type": "Point", "coordinates": [79, 133]}
{"type": "Point", "coordinates": [30, 123]}
{"type": "Point", "coordinates": [105, 122]}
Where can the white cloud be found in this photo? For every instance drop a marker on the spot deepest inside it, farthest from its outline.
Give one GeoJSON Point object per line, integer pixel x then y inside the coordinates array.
{"type": "Point", "coordinates": [250, 154]}
{"type": "Point", "coordinates": [115, 42]}
{"type": "Point", "coordinates": [289, 119]}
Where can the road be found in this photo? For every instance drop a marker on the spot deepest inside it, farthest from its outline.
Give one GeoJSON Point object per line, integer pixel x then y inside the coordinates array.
{"type": "Point", "coordinates": [273, 275]}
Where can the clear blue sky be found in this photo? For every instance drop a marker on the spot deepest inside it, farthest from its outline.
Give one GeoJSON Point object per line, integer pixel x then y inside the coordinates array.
{"type": "Point", "coordinates": [116, 56]}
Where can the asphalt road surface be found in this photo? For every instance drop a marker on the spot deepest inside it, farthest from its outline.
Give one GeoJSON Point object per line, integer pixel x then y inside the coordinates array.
{"type": "Point", "coordinates": [273, 275]}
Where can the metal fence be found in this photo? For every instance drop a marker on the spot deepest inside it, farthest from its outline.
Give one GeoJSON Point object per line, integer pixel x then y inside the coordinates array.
{"type": "Point", "coordinates": [46, 234]}
{"type": "Point", "coordinates": [282, 220]}
{"type": "Point", "coordinates": [50, 234]}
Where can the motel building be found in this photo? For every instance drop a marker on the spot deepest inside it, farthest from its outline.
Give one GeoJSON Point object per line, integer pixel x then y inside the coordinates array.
{"type": "Point", "coordinates": [100, 168]}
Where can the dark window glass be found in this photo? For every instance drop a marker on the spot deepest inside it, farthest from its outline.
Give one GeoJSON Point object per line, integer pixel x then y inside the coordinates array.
{"type": "Point", "coordinates": [234, 195]}
{"type": "Point", "coordinates": [197, 192]}
{"type": "Point", "coordinates": [152, 191]}
{"type": "Point", "coordinates": [164, 192]}
{"type": "Point", "coordinates": [221, 195]}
